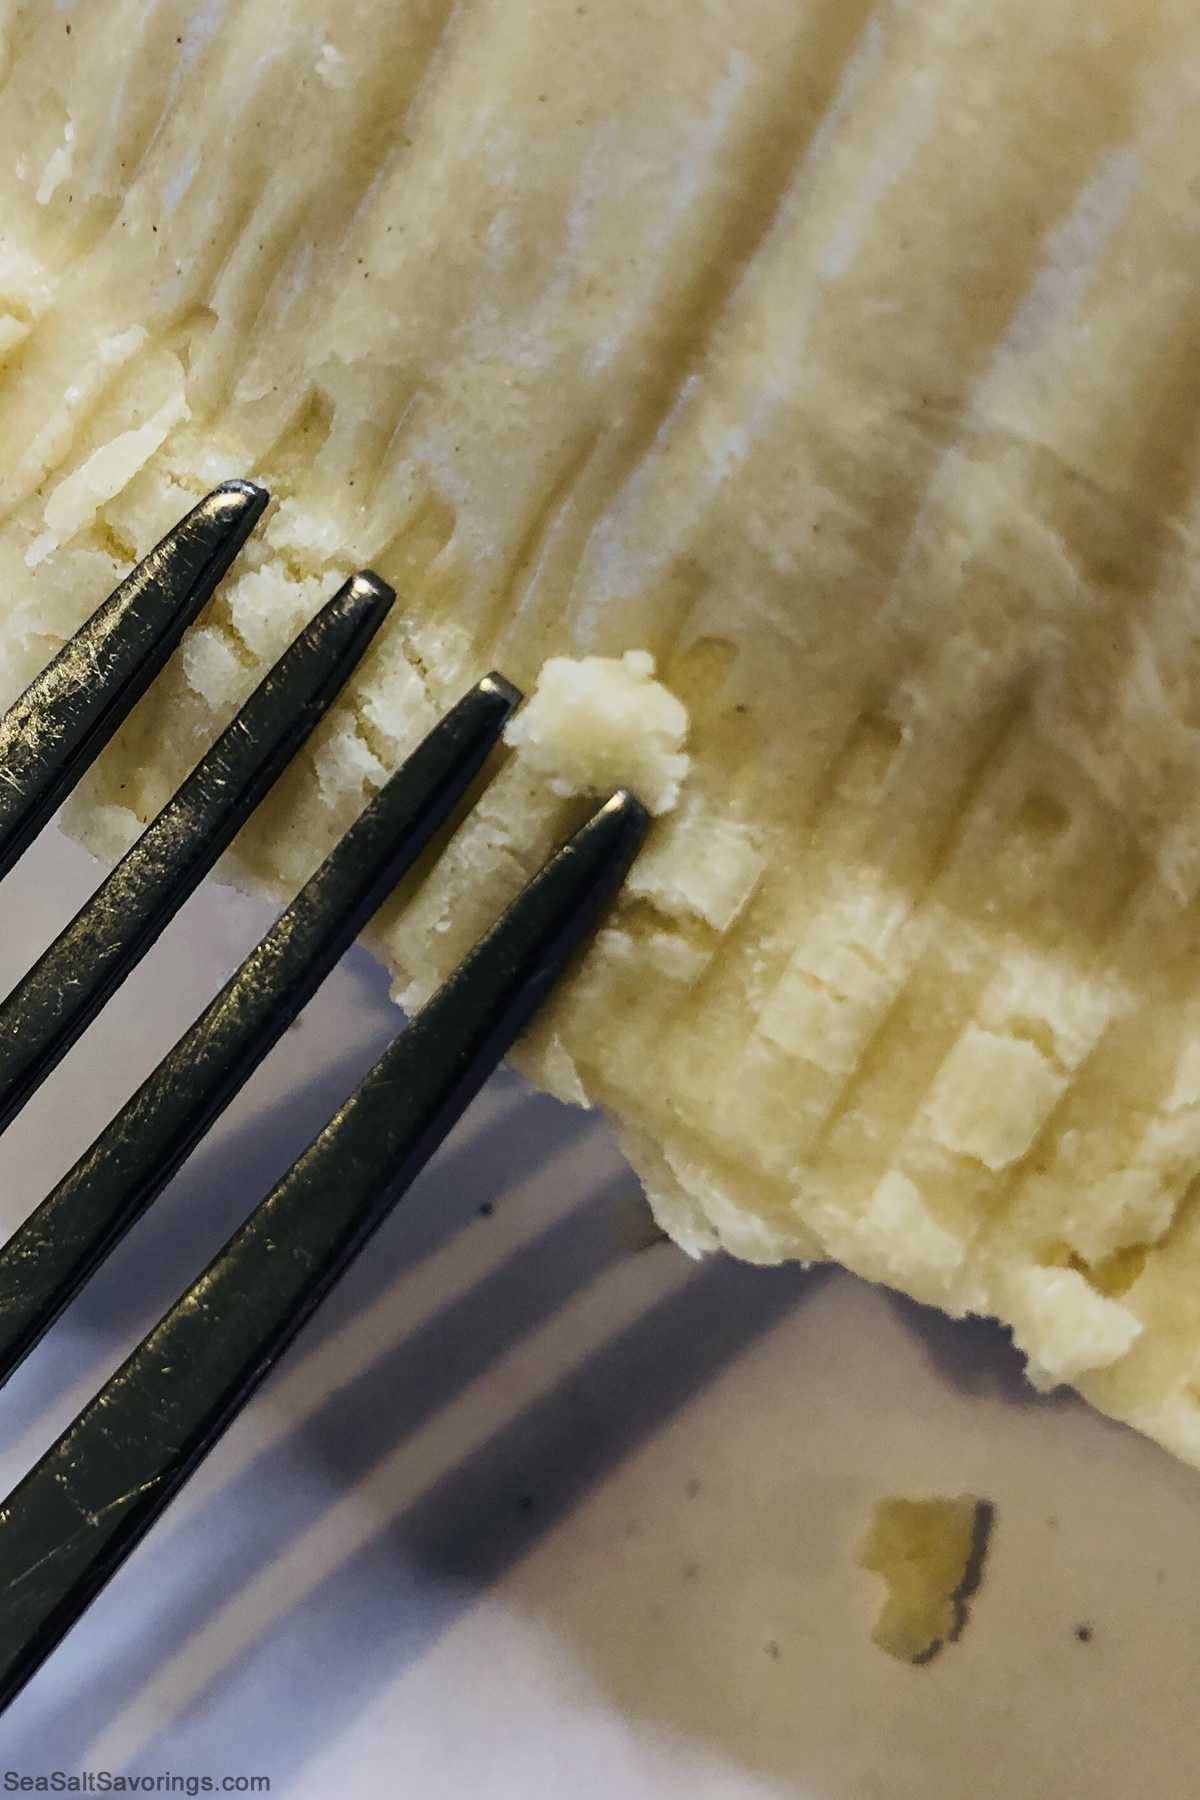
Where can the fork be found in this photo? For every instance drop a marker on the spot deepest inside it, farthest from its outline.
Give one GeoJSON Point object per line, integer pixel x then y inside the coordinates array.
{"type": "Point", "coordinates": [75, 1517]}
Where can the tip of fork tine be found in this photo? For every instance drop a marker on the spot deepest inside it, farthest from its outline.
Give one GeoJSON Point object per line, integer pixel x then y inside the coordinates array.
{"type": "Point", "coordinates": [235, 507]}
{"type": "Point", "coordinates": [624, 815]}
{"type": "Point", "coordinates": [365, 593]}
{"type": "Point", "coordinates": [602, 849]}
{"type": "Point", "coordinates": [236, 494]}
{"type": "Point", "coordinates": [195, 555]}
{"type": "Point", "coordinates": [502, 689]}
{"type": "Point", "coordinates": [618, 829]}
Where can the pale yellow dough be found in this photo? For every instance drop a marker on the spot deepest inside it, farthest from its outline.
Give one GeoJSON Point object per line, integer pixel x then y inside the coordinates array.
{"type": "Point", "coordinates": [807, 393]}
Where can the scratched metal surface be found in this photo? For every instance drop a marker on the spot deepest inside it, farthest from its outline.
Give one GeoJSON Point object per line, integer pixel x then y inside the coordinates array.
{"type": "Point", "coordinates": [530, 1511]}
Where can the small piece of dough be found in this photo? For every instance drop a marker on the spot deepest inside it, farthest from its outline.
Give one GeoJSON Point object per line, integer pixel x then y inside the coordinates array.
{"type": "Point", "coordinates": [931, 1555]}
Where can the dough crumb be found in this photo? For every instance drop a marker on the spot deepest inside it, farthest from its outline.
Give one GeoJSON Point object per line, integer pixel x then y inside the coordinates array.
{"type": "Point", "coordinates": [604, 722]}
{"type": "Point", "coordinates": [931, 1554]}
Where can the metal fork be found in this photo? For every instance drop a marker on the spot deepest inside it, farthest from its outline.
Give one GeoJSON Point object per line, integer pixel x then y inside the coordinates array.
{"type": "Point", "coordinates": [67, 1527]}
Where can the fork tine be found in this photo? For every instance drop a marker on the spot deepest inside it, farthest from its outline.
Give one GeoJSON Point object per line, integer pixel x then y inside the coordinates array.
{"type": "Point", "coordinates": [68, 713]}
{"type": "Point", "coordinates": [76, 1516]}
{"type": "Point", "coordinates": [65, 989]}
{"type": "Point", "coordinates": [48, 1259]}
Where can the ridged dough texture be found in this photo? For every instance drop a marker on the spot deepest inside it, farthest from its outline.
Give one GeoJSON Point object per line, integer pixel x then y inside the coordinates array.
{"type": "Point", "coordinates": [846, 361]}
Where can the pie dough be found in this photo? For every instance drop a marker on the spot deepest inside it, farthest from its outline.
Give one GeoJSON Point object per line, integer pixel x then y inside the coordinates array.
{"type": "Point", "coordinates": [799, 399]}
